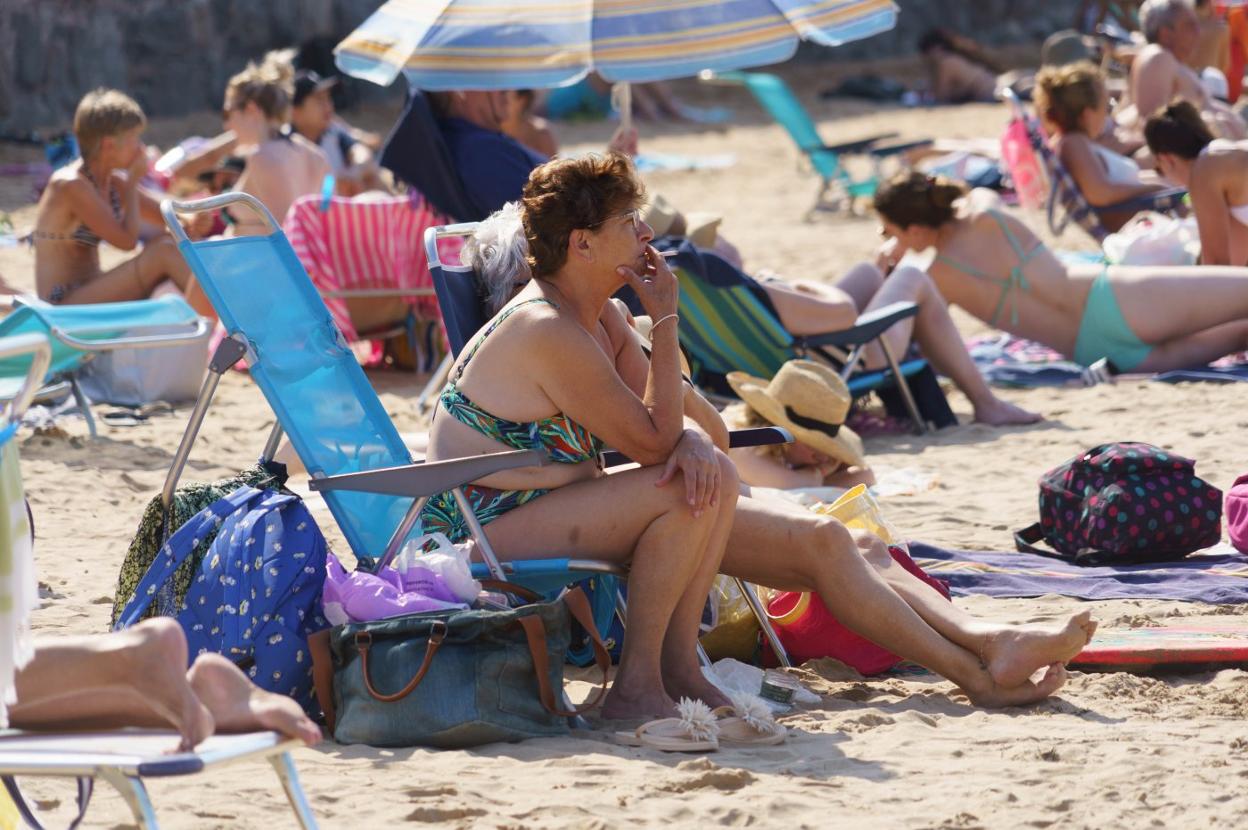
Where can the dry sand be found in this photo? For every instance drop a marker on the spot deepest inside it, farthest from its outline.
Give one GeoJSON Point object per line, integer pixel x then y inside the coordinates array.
{"type": "Point", "coordinates": [1110, 750]}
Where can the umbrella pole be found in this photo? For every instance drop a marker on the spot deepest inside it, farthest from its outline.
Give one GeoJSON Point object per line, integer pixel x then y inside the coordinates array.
{"type": "Point", "coordinates": [622, 100]}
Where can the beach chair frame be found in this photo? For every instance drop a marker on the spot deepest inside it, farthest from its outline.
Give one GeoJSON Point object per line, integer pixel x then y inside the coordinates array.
{"type": "Point", "coordinates": [45, 755]}
{"type": "Point", "coordinates": [80, 340]}
{"type": "Point", "coordinates": [838, 189]}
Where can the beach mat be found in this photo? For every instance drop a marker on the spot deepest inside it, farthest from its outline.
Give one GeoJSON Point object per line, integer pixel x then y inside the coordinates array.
{"type": "Point", "coordinates": [1217, 578]}
{"type": "Point", "coordinates": [1170, 646]}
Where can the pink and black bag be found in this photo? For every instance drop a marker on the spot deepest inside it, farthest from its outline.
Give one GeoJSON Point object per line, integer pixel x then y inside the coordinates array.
{"type": "Point", "coordinates": [1122, 504]}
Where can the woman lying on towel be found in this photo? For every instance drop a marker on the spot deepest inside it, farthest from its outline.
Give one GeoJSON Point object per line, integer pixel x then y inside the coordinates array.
{"type": "Point", "coordinates": [1142, 319]}
{"type": "Point", "coordinates": [559, 370]}
{"type": "Point", "coordinates": [1215, 172]}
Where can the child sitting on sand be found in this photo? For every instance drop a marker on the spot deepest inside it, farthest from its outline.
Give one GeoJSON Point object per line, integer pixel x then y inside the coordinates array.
{"type": "Point", "coordinates": [97, 199]}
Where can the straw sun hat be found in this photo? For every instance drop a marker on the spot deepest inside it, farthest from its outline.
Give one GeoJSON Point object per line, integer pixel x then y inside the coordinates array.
{"type": "Point", "coordinates": [808, 399]}
{"type": "Point", "coordinates": [664, 218]}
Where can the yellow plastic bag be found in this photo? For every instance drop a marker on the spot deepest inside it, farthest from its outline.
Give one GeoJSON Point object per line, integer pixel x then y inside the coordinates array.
{"type": "Point", "coordinates": [857, 508]}
{"type": "Point", "coordinates": [736, 629]}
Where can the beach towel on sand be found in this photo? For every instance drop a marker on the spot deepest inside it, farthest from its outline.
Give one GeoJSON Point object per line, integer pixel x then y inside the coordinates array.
{"type": "Point", "coordinates": [366, 244]}
{"type": "Point", "coordinates": [1207, 577]}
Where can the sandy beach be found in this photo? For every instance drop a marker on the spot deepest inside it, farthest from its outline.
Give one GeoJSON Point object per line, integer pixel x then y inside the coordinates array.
{"type": "Point", "coordinates": [1109, 751]}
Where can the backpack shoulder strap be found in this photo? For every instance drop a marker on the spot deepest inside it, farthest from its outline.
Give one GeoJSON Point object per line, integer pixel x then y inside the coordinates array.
{"type": "Point", "coordinates": [174, 552]}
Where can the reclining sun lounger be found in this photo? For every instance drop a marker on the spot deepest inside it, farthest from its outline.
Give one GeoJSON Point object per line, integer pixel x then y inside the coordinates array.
{"type": "Point", "coordinates": [838, 189]}
{"type": "Point", "coordinates": [325, 404]}
{"type": "Point", "coordinates": [125, 757]}
{"type": "Point", "coordinates": [77, 332]}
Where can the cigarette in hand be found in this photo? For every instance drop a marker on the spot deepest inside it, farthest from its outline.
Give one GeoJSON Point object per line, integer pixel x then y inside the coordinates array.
{"type": "Point", "coordinates": [668, 254]}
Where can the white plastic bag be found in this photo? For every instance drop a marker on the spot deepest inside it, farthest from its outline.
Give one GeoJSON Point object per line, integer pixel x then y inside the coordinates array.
{"type": "Point", "coordinates": [443, 573]}
{"type": "Point", "coordinates": [1154, 239]}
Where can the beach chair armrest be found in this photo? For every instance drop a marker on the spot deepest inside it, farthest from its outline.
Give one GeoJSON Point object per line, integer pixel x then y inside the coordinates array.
{"type": "Point", "coordinates": [865, 329]}
{"type": "Point", "coordinates": [754, 437]}
{"type": "Point", "coordinates": [1161, 200]}
{"type": "Point", "coordinates": [896, 149]}
{"type": "Point", "coordinates": [862, 145]}
{"type": "Point", "coordinates": [431, 477]}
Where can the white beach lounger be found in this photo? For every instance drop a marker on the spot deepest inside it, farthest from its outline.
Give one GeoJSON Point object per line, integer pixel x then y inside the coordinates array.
{"type": "Point", "coordinates": [125, 757]}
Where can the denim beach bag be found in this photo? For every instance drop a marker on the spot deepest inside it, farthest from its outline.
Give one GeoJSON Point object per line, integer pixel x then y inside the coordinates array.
{"type": "Point", "coordinates": [453, 679]}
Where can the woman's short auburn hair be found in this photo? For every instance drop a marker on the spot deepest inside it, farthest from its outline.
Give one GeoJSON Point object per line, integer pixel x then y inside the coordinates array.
{"type": "Point", "coordinates": [566, 194]}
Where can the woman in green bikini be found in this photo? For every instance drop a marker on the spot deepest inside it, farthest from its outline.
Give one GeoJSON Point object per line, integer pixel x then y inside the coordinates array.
{"type": "Point", "coordinates": [1143, 319]}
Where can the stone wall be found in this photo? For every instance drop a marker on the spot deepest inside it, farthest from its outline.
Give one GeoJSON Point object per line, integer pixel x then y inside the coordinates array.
{"type": "Point", "coordinates": [174, 56]}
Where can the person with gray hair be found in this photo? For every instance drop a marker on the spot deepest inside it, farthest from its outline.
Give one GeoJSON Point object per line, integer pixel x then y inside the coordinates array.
{"type": "Point", "coordinates": [498, 252]}
{"type": "Point", "coordinates": [1160, 72]}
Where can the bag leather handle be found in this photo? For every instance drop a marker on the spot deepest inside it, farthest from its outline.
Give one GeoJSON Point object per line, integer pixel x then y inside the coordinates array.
{"type": "Point", "coordinates": [323, 675]}
{"type": "Point", "coordinates": [364, 641]}
{"type": "Point", "coordinates": [535, 633]}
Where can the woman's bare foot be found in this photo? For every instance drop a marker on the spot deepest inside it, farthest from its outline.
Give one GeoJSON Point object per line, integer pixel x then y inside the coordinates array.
{"type": "Point", "coordinates": [996, 696]}
{"type": "Point", "coordinates": [238, 705]}
{"type": "Point", "coordinates": [622, 703]}
{"type": "Point", "coordinates": [1012, 655]}
{"type": "Point", "coordinates": [997, 412]}
{"type": "Point", "coordinates": [154, 652]}
{"type": "Point", "coordinates": [694, 686]}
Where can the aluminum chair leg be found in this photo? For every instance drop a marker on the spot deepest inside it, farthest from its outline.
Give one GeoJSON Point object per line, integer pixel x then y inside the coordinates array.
{"type": "Point", "coordinates": [760, 614]}
{"type": "Point", "coordinates": [285, 767]}
{"type": "Point", "coordinates": [135, 795]}
{"type": "Point", "coordinates": [436, 381]}
{"type": "Point", "coordinates": [920, 427]}
{"type": "Point", "coordinates": [84, 405]}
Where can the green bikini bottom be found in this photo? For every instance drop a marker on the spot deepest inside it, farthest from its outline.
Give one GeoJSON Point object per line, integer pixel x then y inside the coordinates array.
{"type": "Point", "coordinates": [1103, 331]}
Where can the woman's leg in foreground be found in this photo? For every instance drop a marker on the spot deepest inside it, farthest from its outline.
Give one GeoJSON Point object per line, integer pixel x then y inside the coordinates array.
{"type": "Point", "coordinates": [137, 677]}
{"type": "Point", "coordinates": [623, 518]}
{"type": "Point", "coordinates": [941, 343]}
{"type": "Point", "coordinates": [819, 554]}
{"type": "Point", "coordinates": [137, 277]}
{"type": "Point", "coordinates": [682, 672]}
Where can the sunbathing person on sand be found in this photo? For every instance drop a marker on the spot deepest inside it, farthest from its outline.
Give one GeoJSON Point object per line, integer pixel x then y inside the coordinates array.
{"type": "Point", "coordinates": [560, 354]}
{"type": "Point", "coordinates": [97, 199]}
{"type": "Point", "coordinates": [138, 677]}
{"type": "Point", "coordinates": [1141, 318]}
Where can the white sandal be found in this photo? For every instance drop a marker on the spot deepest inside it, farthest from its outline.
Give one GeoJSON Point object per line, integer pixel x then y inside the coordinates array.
{"type": "Point", "coordinates": [696, 730]}
{"type": "Point", "coordinates": [749, 722]}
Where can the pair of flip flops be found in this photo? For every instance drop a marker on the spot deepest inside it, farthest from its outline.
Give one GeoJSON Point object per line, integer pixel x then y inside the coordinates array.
{"type": "Point", "coordinates": [698, 728]}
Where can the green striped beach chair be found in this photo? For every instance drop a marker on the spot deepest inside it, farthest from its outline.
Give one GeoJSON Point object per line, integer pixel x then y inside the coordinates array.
{"type": "Point", "coordinates": [727, 324]}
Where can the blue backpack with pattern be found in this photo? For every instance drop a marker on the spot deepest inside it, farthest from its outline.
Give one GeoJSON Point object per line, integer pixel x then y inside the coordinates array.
{"type": "Point", "coordinates": [257, 594]}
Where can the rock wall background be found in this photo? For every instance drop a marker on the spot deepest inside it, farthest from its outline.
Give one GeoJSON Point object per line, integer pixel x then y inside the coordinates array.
{"type": "Point", "coordinates": [174, 56]}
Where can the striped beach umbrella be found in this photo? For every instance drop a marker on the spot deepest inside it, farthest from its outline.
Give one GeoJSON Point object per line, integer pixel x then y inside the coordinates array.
{"type": "Point", "coordinates": [515, 44]}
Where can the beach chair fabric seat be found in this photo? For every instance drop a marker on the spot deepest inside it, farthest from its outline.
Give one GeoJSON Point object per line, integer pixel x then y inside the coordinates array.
{"type": "Point", "coordinates": [353, 245]}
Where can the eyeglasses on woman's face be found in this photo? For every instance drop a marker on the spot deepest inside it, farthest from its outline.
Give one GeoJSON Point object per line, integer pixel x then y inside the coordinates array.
{"type": "Point", "coordinates": [632, 216]}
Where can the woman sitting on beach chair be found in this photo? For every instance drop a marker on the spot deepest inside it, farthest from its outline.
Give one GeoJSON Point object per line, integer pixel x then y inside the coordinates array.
{"type": "Point", "coordinates": [1143, 319]}
{"type": "Point", "coordinates": [97, 199]}
{"type": "Point", "coordinates": [1074, 105]}
{"type": "Point", "coordinates": [592, 371]}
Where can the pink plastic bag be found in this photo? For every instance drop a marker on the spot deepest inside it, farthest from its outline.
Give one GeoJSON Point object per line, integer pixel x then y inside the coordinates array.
{"type": "Point", "coordinates": [1237, 514]}
{"type": "Point", "coordinates": [1025, 171]}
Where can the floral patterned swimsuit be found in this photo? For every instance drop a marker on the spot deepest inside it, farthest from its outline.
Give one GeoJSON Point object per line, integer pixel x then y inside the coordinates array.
{"type": "Point", "coordinates": [562, 440]}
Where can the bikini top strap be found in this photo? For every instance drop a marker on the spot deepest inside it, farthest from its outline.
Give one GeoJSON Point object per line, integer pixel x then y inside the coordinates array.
{"type": "Point", "coordinates": [490, 329]}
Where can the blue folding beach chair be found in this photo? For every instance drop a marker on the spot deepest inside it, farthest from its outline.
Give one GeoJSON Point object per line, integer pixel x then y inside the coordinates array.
{"type": "Point", "coordinates": [325, 404]}
{"type": "Point", "coordinates": [838, 188]}
{"type": "Point", "coordinates": [78, 332]}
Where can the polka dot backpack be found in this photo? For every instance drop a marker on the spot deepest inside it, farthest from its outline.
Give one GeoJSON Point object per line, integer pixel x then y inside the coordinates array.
{"type": "Point", "coordinates": [1122, 504]}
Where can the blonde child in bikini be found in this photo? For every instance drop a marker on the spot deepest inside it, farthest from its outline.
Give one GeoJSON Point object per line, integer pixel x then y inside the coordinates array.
{"type": "Point", "coordinates": [97, 199]}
